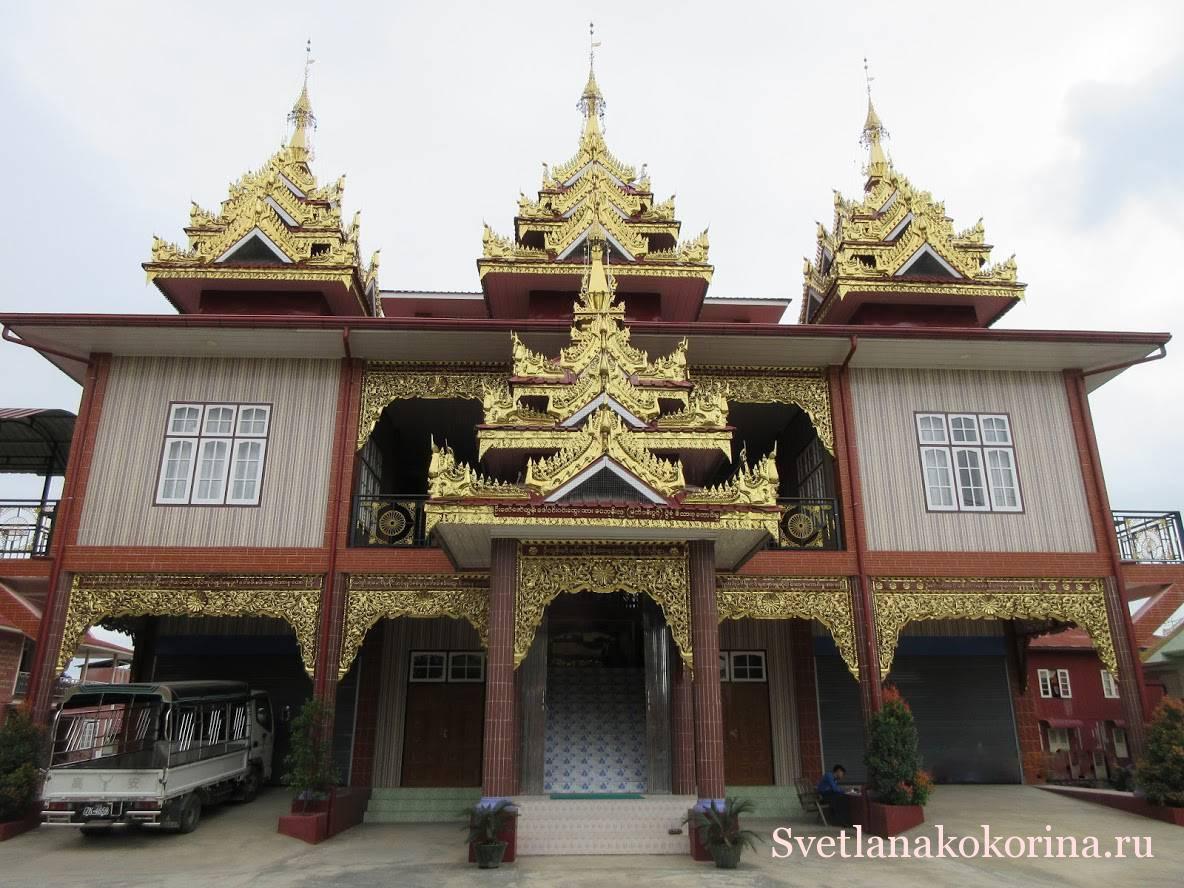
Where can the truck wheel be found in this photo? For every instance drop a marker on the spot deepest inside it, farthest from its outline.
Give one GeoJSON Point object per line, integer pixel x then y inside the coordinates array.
{"type": "Point", "coordinates": [250, 786]}
{"type": "Point", "coordinates": [189, 814]}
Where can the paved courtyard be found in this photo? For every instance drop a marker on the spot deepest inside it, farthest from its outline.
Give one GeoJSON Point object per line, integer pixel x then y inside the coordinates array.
{"type": "Point", "coordinates": [236, 845]}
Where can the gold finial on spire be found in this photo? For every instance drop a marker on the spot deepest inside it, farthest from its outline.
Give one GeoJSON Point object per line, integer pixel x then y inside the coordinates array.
{"type": "Point", "coordinates": [873, 131]}
{"type": "Point", "coordinates": [591, 101]}
{"type": "Point", "coordinates": [301, 117]}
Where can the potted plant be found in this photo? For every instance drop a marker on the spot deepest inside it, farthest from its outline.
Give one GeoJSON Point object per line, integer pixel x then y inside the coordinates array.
{"type": "Point", "coordinates": [1160, 772]}
{"type": "Point", "coordinates": [486, 827]}
{"type": "Point", "coordinates": [22, 759]}
{"type": "Point", "coordinates": [898, 787]}
{"type": "Point", "coordinates": [310, 772]}
{"type": "Point", "coordinates": [719, 830]}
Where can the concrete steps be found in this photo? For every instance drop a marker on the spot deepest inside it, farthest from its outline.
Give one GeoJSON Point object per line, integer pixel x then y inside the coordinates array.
{"type": "Point", "coordinates": [420, 805]}
{"type": "Point", "coordinates": [780, 802]}
{"type": "Point", "coordinates": [602, 826]}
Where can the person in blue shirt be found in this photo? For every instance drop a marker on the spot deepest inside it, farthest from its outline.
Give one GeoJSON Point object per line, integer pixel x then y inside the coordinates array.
{"type": "Point", "coordinates": [831, 792]}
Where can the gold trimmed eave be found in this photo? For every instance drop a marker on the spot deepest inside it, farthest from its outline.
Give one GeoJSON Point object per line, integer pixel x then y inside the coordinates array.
{"type": "Point", "coordinates": [95, 597]}
{"type": "Point", "coordinates": [825, 599]}
{"type": "Point", "coordinates": [621, 271]}
{"type": "Point", "coordinates": [902, 600]}
{"type": "Point", "coordinates": [805, 388]}
{"type": "Point", "coordinates": [654, 569]}
{"type": "Point", "coordinates": [551, 440]}
{"type": "Point", "coordinates": [374, 597]}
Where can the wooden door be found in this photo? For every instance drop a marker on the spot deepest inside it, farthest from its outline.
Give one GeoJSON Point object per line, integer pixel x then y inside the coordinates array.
{"type": "Point", "coordinates": [748, 734]}
{"type": "Point", "coordinates": [442, 734]}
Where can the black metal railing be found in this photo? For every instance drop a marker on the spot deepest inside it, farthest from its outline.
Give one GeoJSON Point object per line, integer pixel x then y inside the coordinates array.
{"type": "Point", "coordinates": [1151, 537]}
{"type": "Point", "coordinates": [22, 685]}
{"type": "Point", "coordinates": [809, 524]}
{"type": "Point", "coordinates": [26, 527]}
{"type": "Point", "coordinates": [389, 521]}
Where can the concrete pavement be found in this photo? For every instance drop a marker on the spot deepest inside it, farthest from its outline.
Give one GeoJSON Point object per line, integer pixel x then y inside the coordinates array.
{"type": "Point", "coordinates": [236, 845]}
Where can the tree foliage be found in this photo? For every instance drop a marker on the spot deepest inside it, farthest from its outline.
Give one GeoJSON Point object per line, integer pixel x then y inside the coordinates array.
{"type": "Point", "coordinates": [22, 758]}
{"type": "Point", "coordinates": [892, 758]}
{"type": "Point", "coordinates": [309, 761]}
{"type": "Point", "coordinates": [1160, 773]}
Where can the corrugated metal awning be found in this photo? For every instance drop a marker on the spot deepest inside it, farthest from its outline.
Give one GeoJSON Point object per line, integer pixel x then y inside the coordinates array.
{"type": "Point", "coordinates": [35, 442]}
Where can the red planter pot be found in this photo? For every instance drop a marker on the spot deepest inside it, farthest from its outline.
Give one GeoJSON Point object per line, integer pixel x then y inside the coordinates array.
{"type": "Point", "coordinates": [890, 820]}
{"type": "Point", "coordinates": [312, 827]}
{"type": "Point", "coordinates": [1168, 815]}
{"type": "Point", "coordinates": [10, 828]}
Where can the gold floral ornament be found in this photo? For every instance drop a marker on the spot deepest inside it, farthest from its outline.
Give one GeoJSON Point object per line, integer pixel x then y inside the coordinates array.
{"type": "Point", "coordinates": [420, 596]}
{"type": "Point", "coordinates": [657, 570]}
{"type": "Point", "coordinates": [902, 600]}
{"type": "Point", "coordinates": [95, 597]}
{"type": "Point", "coordinates": [825, 599]}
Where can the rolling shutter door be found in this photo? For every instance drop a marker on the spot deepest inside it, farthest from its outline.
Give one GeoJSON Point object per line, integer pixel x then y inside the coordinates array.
{"type": "Point", "coordinates": [842, 719]}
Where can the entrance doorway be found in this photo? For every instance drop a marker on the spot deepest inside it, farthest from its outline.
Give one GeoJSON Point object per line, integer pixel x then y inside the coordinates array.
{"type": "Point", "coordinates": [596, 712]}
{"type": "Point", "coordinates": [445, 718]}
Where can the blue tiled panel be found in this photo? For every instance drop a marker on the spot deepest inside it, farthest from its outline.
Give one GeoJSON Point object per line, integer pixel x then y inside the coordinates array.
{"type": "Point", "coordinates": [595, 731]}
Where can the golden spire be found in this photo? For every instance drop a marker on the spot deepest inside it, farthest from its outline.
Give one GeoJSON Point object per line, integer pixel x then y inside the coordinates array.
{"type": "Point", "coordinates": [301, 116]}
{"type": "Point", "coordinates": [591, 100]}
{"type": "Point", "coordinates": [873, 132]}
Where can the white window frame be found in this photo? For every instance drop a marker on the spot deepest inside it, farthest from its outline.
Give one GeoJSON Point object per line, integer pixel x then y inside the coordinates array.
{"type": "Point", "coordinates": [1064, 685]}
{"type": "Point", "coordinates": [1054, 746]}
{"type": "Point", "coordinates": [932, 488]}
{"type": "Point", "coordinates": [454, 656]}
{"type": "Point", "coordinates": [189, 421]}
{"type": "Point", "coordinates": [977, 454]}
{"type": "Point", "coordinates": [725, 666]}
{"type": "Point", "coordinates": [443, 655]}
{"type": "Point", "coordinates": [1044, 677]}
{"type": "Point", "coordinates": [760, 655]}
{"type": "Point", "coordinates": [1109, 685]}
{"type": "Point", "coordinates": [1121, 750]}
{"type": "Point", "coordinates": [955, 436]}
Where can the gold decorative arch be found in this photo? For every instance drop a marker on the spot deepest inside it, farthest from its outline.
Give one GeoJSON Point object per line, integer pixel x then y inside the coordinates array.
{"type": "Point", "coordinates": [386, 382]}
{"type": "Point", "coordinates": [803, 387]}
{"type": "Point", "coordinates": [901, 600]}
{"type": "Point", "coordinates": [376, 597]}
{"type": "Point", "coordinates": [94, 597]}
{"type": "Point", "coordinates": [658, 570]}
{"type": "Point", "coordinates": [825, 599]}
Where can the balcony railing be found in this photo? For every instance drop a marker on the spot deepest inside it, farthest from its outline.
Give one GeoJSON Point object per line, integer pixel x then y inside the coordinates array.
{"type": "Point", "coordinates": [809, 524]}
{"type": "Point", "coordinates": [26, 527]}
{"type": "Point", "coordinates": [389, 521]}
{"type": "Point", "coordinates": [22, 685]}
{"type": "Point", "coordinates": [1149, 537]}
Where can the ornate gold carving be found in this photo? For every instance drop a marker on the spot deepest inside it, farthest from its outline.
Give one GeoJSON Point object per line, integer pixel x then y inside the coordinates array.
{"type": "Point", "coordinates": [825, 599]}
{"type": "Point", "coordinates": [901, 600]}
{"type": "Point", "coordinates": [95, 597]}
{"type": "Point", "coordinates": [805, 388]}
{"type": "Point", "coordinates": [282, 203]}
{"type": "Point", "coordinates": [751, 485]}
{"type": "Point", "coordinates": [658, 570]}
{"type": "Point", "coordinates": [388, 596]}
{"type": "Point", "coordinates": [449, 479]}
{"type": "Point", "coordinates": [384, 383]}
{"type": "Point", "coordinates": [874, 239]}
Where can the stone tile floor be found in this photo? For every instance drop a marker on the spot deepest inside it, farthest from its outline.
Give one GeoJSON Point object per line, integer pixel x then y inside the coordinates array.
{"type": "Point", "coordinates": [236, 845]}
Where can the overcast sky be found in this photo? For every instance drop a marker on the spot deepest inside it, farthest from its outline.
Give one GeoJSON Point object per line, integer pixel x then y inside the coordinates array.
{"type": "Point", "coordinates": [1059, 123]}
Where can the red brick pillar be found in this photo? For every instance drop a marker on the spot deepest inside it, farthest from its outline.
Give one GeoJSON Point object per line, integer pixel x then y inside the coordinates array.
{"type": "Point", "coordinates": [709, 729]}
{"type": "Point", "coordinates": [805, 697]}
{"type": "Point", "coordinates": [497, 764]}
{"type": "Point", "coordinates": [682, 705]}
{"type": "Point", "coordinates": [44, 675]}
{"type": "Point", "coordinates": [369, 664]}
{"type": "Point", "coordinates": [328, 659]}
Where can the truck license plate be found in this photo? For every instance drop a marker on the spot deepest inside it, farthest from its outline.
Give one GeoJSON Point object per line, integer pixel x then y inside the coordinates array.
{"type": "Point", "coordinates": [96, 811]}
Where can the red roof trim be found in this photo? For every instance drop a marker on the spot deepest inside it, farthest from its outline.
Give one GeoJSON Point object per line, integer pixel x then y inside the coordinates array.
{"type": "Point", "coordinates": [808, 331]}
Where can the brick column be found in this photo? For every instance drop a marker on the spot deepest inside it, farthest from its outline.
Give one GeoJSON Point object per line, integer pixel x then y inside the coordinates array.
{"type": "Point", "coordinates": [709, 728]}
{"type": "Point", "coordinates": [497, 763]}
{"type": "Point", "coordinates": [334, 595]}
{"type": "Point", "coordinates": [682, 704]}
{"type": "Point", "coordinates": [369, 664]}
{"type": "Point", "coordinates": [805, 698]}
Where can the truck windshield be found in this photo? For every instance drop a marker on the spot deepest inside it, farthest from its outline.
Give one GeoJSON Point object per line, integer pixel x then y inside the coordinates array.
{"type": "Point", "coordinates": [110, 730]}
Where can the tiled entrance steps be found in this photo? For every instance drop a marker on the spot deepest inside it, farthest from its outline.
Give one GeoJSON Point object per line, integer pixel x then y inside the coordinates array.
{"type": "Point", "coordinates": [603, 826]}
{"type": "Point", "coordinates": [595, 731]}
{"type": "Point", "coordinates": [415, 805]}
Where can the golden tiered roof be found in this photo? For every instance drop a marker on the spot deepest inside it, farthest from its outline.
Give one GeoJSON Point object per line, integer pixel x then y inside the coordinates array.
{"type": "Point", "coordinates": [276, 225]}
{"type": "Point", "coordinates": [875, 243]}
{"type": "Point", "coordinates": [595, 186]}
{"type": "Point", "coordinates": [601, 401]}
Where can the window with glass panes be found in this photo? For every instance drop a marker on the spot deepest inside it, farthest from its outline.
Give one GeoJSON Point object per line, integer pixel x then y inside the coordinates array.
{"type": "Point", "coordinates": [213, 454]}
{"type": "Point", "coordinates": [968, 462]}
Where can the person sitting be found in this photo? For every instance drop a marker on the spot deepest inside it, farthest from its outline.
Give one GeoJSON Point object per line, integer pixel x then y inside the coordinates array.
{"type": "Point", "coordinates": [835, 796]}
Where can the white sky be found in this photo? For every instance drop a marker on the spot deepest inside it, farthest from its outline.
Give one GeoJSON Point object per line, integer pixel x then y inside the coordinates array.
{"type": "Point", "coordinates": [1059, 123]}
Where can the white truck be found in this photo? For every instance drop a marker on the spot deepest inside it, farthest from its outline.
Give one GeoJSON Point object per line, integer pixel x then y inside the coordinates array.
{"type": "Point", "coordinates": [154, 754]}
